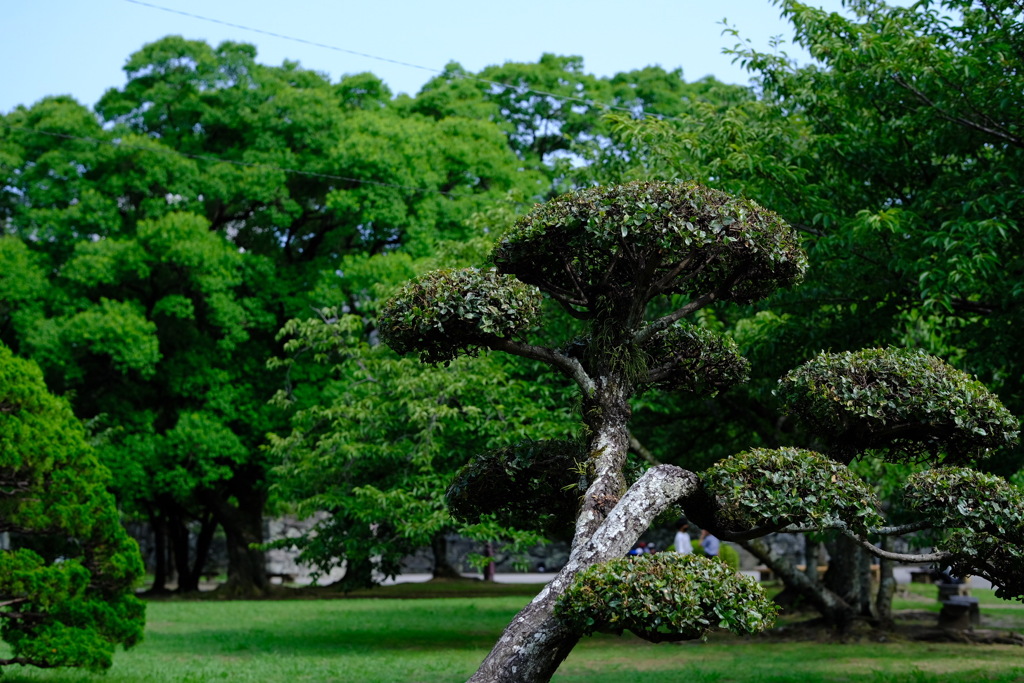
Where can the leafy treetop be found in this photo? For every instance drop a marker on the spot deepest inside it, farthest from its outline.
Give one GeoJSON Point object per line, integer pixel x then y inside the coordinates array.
{"type": "Point", "coordinates": [448, 312]}
{"type": "Point", "coordinates": [980, 518]}
{"type": "Point", "coordinates": [629, 243]}
{"type": "Point", "coordinates": [667, 596]}
{"type": "Point", "coordinates": [767, 490]}
{"type": "Point", "coordinates": [907, 402]}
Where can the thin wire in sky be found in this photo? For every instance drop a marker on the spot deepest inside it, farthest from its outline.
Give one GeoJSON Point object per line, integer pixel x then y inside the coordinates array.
{"type": "Point", "coordinates": [304, 41]}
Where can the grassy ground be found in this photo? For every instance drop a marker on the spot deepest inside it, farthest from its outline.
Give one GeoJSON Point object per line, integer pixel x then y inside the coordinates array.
{"type": "Point", "coordinates": [436, 640]}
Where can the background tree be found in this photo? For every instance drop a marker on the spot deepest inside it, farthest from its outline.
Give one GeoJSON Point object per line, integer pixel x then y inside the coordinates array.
{"type": "Point", "coordinates": [375, 439]}
{"type": "Point", "coordinates": [152, 261]}
{"type": "Point", "coordinates": [67, 577]}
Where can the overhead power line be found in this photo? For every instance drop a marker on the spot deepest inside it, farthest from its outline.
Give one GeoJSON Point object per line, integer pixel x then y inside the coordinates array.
{"type": "Point", "coordinates": [304, 41]}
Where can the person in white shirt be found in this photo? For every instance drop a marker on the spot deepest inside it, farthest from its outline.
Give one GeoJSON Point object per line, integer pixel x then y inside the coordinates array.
{"type": "Point", "coordinates": [682, 543]}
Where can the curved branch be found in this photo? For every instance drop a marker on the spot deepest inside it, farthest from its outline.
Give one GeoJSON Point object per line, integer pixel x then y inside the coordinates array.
{"type": "Point", "coordinates": [756, 532]}
{"type": "Point", "coordinates": [567, 365]}
{"type": "Point", "coordinates": [881, 531]}
{"type": "Point", "coordinates": [569, 304]}
{"type": "Point", "coordinates": [672, 274]}
{"type": "Point", "coordinates": [902, 529]}
{"type": "Point", "coordinates": [640, 449]}
{"type": "Point", "coordinates": [897, 557]}
{"type": "Point", "coordinates": [967, 123]}
{"type": "Point", "coordinates": [661, 323]}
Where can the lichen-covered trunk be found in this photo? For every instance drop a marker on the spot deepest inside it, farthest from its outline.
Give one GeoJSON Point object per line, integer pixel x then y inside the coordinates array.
{"type": "Point", "coordinates": [536, 641]}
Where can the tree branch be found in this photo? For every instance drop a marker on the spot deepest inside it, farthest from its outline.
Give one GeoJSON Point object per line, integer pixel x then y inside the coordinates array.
{"type": "Point", "coordinates": [651, 495]}
{"type": "Point", "coordinates": [26, 662]}
{"type": "Point", "coordinates": [567, 365]}
{"type": "Point", "coordinates": [640, 449]}
{"type": "Point", "coordinates": [15, 601]}
{"type": "Point", "coordinates": [569, 304]}
{"type": "Point", "coordinates": [903, 529]}
{"type": "Point", "coordinates": [968, 123]}
{"type": "Point", "coordinates": [661, 323]}
{"type": "Point", "coordinates": [898, 557]}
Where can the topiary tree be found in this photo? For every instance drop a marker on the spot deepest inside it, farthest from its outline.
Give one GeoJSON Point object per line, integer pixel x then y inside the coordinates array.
{"type": "Point", "coordinates": [67, 576]}
{"type": "Point", "coordinates": [629, 263]}
{"type": "Point", "coordinates": [904, 407]}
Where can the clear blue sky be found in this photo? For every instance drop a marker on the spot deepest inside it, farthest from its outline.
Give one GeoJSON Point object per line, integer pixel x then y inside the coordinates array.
{"type": "Point", "coordinates": [77, 47]}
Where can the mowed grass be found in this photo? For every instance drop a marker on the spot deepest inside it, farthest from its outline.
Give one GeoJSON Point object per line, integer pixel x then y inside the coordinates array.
{"type": "Point", "coordinates": [436, 640]}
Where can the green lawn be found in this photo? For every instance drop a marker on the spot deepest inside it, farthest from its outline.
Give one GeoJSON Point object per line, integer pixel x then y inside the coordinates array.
{"type": "Point", "coordinates": [443, 639]}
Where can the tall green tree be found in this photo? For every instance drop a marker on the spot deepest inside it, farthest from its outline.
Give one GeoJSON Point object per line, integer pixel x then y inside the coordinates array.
{"type": "Point", "coordinates": [68, 572]}
{"type": "Point", "coordinates": [378, 473]}
{"type": "Point", "coordinates": [156, 249]}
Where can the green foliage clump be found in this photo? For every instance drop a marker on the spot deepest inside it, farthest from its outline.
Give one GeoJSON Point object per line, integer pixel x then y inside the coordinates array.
{"type": "Point", "coordinates": [446, 313]}
{"type": "Point", "coordinates": [904, 401]}
{"type": "Point", "coordinates": [694, 359]}
{"type": "Point", "coordinates": [533, 484]}
{"type": "Point", "coordinates": [726, 553]}
{"type": "Point", "coordinates": [982, 518]}
{"type": "Point", "coordinates": [666, 596]}
{"type": "Point", "coordinates": [663, 237]}
{"type": "Point", "coordinates": [66, 581]}
{"type": "Point", "coordinates": [789, 486]}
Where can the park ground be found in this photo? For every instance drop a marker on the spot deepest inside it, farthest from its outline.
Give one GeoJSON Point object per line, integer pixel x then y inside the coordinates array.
{"type": "Point", "coordinates": [438, 631]}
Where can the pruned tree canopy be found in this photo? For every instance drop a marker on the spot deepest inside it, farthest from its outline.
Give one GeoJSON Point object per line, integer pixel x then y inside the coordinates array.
{"type": "Point", "coordinates": [691, 358]}
{"type": "Point", "coordinates": [906, 402]}
{"type": "Point", "coordinates": [449, 312]}
{"type": "Point", "coordinates": [666, 596]}
{"type": "Point", "coordinates": [980, 520]}
{"type": "Point", "coordinates": [767, 490]}
{"type": "Point", "coordinates": [533, 483]}
{"type": "Point", "coordinates": [626, 244]}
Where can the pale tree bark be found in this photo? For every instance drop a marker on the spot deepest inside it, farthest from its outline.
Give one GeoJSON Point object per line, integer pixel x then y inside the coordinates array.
{"type": "Point", "coordinates": [535, 643]}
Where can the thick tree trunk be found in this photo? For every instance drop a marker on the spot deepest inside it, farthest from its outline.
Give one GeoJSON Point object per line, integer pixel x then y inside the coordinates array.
{"type": "Point", "coordinates": [243, 531]}
{"type": "Point", "coordinates": [849, 576]}
{"type": "Point", "coordinates": [204, 539]}
{"type": "Point", "coordinates": [443, 569]}
{"type": "Point", "coordinates": [188, 581]}
{"type": "Point", "coordinates": [886, 588]}
{"type": "Point", "coordinates": [160, 550]}
{"type": "Point", "coordinates": [832, 607]}
{"type": "Point", "coordinates": [536, 642]}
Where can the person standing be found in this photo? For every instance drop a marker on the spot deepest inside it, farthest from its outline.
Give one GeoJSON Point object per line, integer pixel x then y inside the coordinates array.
{"type": "Point", "coordinates": [709, 542]}
{"type": "Point", "coordinates": [683, 544]}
